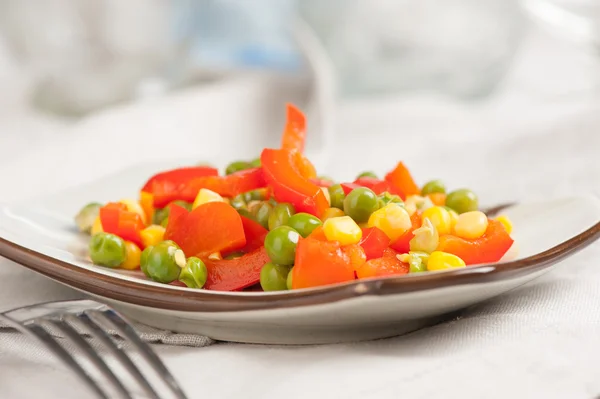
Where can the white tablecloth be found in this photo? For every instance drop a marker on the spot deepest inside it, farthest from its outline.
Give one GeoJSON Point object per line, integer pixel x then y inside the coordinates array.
{"type": "Point", "coordinates": [534, 140]}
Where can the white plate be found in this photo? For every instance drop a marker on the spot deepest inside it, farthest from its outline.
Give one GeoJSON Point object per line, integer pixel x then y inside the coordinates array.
{"type": "Point", "coordinates": [41, 235]}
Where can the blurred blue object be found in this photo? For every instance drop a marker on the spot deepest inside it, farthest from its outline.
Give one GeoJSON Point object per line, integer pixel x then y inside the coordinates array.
{"type": "Point", "coordinates": [238, 34]}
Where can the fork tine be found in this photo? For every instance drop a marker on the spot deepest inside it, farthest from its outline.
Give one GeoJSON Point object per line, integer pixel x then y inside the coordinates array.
{"type": "Point", "coordinates": [38, 332]}
{"type": "Point", "coordinates": [71, 334]}
{"type": "Point", "coordinates": [129, 334]}
{"type": "Point", "coordinates": [97, 332]}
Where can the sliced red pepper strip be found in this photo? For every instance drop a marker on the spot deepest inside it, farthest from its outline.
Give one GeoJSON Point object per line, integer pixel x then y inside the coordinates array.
{"type": "Point", "coordinates": [255, 234]}
{"type": "Point", "coordinates": [490, 247]}
{"type": "Point", "coordinates": [402, 244]}
{"type": "Point", "coordinates": [374, 241]}
{"type": "Point", "coordinates": [401, 179]}
{"type": "Point", "coordinates": [320, 263]}
{"type": "Point", "coordinates": [179, 176]}
{"type": "Point", "coordinates": [211, 227]}
{"type": "Point", "coordinates": [117, 220]}
{"type": "Point", "coordinates": [294, 134]}
{"type": "Point", "coordinates": [227, 186]}
{"type": "Point", "coordinates": [235, 274]}
{"type": "Point", "coordinates": [289, 185]}
{"type": "Point", "coordinates": [378, 186]}
{"type": "Point", "coordinates": [387, 265]}
{"type": "Point", "coordinates": [304, 166]}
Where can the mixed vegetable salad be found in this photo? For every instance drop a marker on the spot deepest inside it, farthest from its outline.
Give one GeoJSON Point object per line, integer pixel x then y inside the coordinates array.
{"type": "Point", "coordinates": [272, 222]}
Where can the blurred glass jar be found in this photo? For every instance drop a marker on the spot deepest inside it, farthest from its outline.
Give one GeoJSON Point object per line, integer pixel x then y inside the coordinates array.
{"type": "Point", "coordinates": [456, 47]}
{"type": "Point", "coordinates": [82, 55]}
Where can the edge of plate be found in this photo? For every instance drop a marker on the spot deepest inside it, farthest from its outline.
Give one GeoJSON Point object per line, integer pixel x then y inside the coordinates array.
{"type": "Point", "coordinates": [166, 297]}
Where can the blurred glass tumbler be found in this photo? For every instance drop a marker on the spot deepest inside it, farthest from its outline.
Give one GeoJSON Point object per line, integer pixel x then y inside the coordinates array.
{"type": "Point", "coordinates": [457, 47]}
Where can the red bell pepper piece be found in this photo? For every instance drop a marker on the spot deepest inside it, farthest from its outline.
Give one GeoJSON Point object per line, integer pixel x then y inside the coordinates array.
{"type": "Point", "coordinates": [348, 187]}
{"type": "Point", "coordinates": [304, 166]}
{"type": "Point", "coordinates": [402, 181]}
{"type": "Point", "coordinates": [211, 227]}
{"type": "Point", "coordinates": [289, 185]}
{"type": "Point", "coordinates": [255, 234]}
{"type": "Point", "coordinates": [318, 234]}
{"type": "Point", "coordinates": [356, 254]}
{"type": "Point", "coordinates": [235, 274]}
{"type": "Point", "coordinates": [227, 186]}
{"type": "Point", "coordinates": [374, 241]}
{"type": "Point", "coordinates": [321, 182]}
{"type": "Point", "coordinates": [402, 244]}
{"type": "Point", "coordinates": [387, 265]}
{"type": "Point", "coordinates": [117, 220]}
{"type": "Point", "coordinates": [490, 247]}
{"type": "Point", "coordinates": [320, 263]}
{"type": "Point", "coordinates": [164, 186]}
{"type": "Point", "coordinates": [294, 134]}
{"type": "Point", "coordinates": [378, 186]}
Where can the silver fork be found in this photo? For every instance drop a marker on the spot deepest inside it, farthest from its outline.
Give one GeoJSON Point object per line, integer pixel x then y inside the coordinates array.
{"type": "Point", "coordinates": [73, 322]}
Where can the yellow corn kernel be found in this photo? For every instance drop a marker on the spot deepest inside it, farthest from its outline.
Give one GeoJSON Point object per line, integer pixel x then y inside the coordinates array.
{"type": "Point", "coordinates": [392, 219]}
{"type": "Point", "coordinates": [332, 213]}
{"type": "Point", "coordinates": [215, 256]}
{"type": "Point", "coordinates": [471, 225]}
{"type": "Point", "coordinates": [97, 226]}
{"type": "Point", "coordinates": [426, 238]}
{"type": "Point", "coordinates": [440, 218]}
{"type": "Point", "coordinates": [439, 260]}
{"type": "Point", "coordinates": [205, 195]}
{"type": "Point", "coordinates": [134, 206]}
{"type": "Point", "coordinates": [453, 217]}
{"type": "Point", "coordinates": [343, 229]}
{"type": "Point", "coordinates": [413, 203]}
{"type": "Point", "coordinates": [506, 223]}
{"type": "Point", "coordinates": [152, 235]}
{"type": "Point", "coordinates": [132, 258]}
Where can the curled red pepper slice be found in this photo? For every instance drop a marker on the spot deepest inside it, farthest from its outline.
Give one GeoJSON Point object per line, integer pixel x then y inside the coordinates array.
{"type": "Point", "coordinates": [255, 234]}
{"type": "Point", "coordinates": [172, 181]}
{"type": "Point", "coordinates": [490, 247]}
{"type": "Point", "coordinates": [294, 134]}
{"type": "Point", "coordinates": [211, 227]}
{"type": "Point", "coordinates": [288, 185]}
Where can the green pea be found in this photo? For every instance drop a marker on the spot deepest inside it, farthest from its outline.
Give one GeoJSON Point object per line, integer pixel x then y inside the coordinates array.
{"type": "Point", "coordinates": [462, 201]}
{"type": "Point", "coordinates": [245, 212]}
{"type": "Point", "coordinates": [360, 203]}
{"type": "Point", "coordinates": [163, 262]}
{"type": "Point", "coordinates": [255, 163]}
{"type": "Point", "coordinates": [280, 245]}
{"type": "Point", "coordinates": [418, 262]}
{"type": "Point", "coordinates": [368, 174]}
{"type": "Point", "coordinates": [288, 280]}
{"type": "Point", "coordinates": [87, 216]}
{"type": "Point", "coordinates": [280, 215]}
{"type": "Point", "coordinates": [261, 213]}
{"type": "Point", "coordinates": [194, 274]}
{"type": "Point", "coordinates": [273, 277]}
{"type": "Point", "coordinates": [255, 195]}
{"type": "Point", "coordinates": [434, 186]}
{"type": "Point", "coordinates": [273, 201]}
{"type": "Point", "coordinates": [107, 250]}
{"type": "Point", "coordinates": [236, 167]}
{"type": "Point", "coordinates": [304, 223]}
{"type": "Point", "coordinates": [238, 202]}
{"type": "Point", "coordinates": [336, 193]}
{"type": "Point", "coordinates": [144, 258]}
{"type": "Point", "coordinates": [387, 198]}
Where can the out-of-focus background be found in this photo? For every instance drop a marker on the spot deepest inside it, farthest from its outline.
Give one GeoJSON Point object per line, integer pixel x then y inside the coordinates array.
{"type": "Point", "coordinates": [208, 79]}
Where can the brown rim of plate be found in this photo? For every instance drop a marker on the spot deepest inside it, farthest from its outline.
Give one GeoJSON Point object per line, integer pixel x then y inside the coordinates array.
{"type": "Point", "coordinates": [166, 297]}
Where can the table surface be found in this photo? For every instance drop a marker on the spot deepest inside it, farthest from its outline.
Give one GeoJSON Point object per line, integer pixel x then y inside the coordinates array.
{"type": "Point", "coordinates": [533, 140]}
